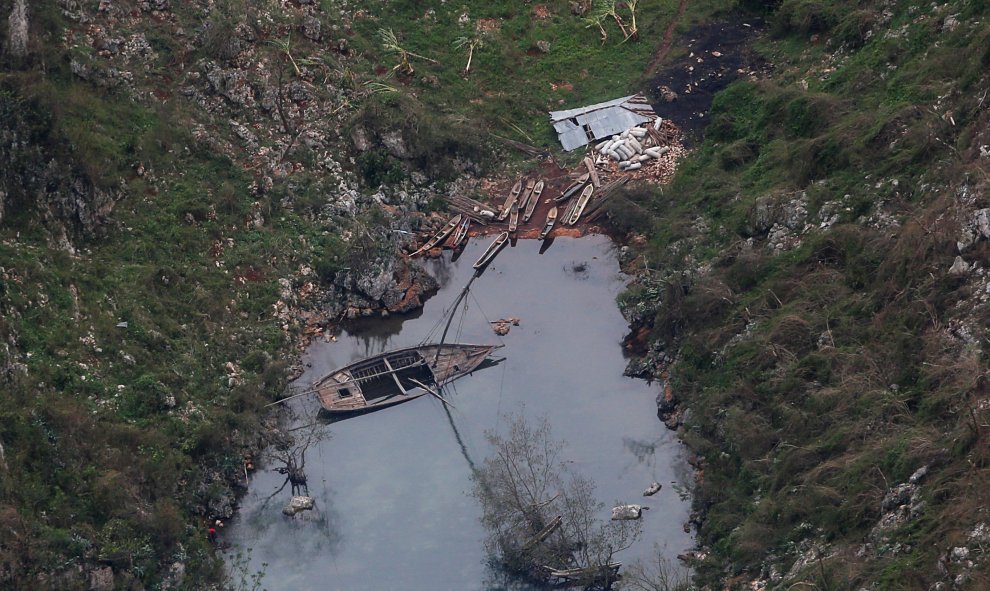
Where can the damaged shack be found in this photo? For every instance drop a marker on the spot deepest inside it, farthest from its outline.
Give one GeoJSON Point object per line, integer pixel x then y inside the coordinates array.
{"type": "Point", "coordinates": [581, 126]}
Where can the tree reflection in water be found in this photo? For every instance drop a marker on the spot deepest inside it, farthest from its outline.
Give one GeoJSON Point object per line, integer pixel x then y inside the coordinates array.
{"type": "Point", "coordinates": [540, 515]}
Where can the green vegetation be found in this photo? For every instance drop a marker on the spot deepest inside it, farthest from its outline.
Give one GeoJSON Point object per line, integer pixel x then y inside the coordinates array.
{"type": "Point", "coordinates": [141, 246]}
{"type": "Point", "coordinates": [821, 376]}
{"type": "Point", "coordinates": [141, 338]}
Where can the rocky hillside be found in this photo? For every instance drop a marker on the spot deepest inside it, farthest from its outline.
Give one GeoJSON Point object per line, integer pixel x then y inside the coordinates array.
{"type": "Point", "coordinates": [813, 291]}
{"type": "Point", "coordinates": [191, 189]}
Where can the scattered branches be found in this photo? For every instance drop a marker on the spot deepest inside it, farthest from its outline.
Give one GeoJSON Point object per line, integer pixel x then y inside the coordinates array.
{"type": "Point", "coordinates": [603, 10]}
{"type": "Point", "coordinates": [471, 43]}
{"type": "Point", "coordinates": [285, 48]}
{"type": "Point", "coordinates": [390, 43]}
{"type": "Point", "coordinates": [379, 87]}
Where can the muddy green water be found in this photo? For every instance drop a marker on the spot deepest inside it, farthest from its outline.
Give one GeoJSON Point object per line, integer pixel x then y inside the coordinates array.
{"type": "Point", "coordinates": [393, 509]}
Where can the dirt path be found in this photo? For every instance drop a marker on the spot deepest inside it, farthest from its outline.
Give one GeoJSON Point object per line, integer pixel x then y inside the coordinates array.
{"type": "Point", "coordinates": [717, 53]}
{"type": "Point", "coordinates": [668, 40]}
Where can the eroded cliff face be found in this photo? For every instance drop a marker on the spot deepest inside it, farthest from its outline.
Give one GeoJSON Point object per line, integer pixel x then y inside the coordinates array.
{"type": "Point", "coordinates": [40, 181]}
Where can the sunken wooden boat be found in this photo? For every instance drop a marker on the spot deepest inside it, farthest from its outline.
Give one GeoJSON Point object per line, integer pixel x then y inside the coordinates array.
{"type": "Point", "coordinates": [573, 188]}
{"type": "Point", "coordinates": [492, 250]}
{"type": "Point", "coordinates": [510, 200]}
{"type": "Point", "coordinates": [551, 220]}
{"type": "Point", "coordinates": [534, 199]}
{"type": "Point", "coordinates": [460, 234]}
{"type": "Point", "coordinates": [439, 237]}
{"type": "Point", "coordinates": [579, 205]}
{"type": "Point", "coordinates": [398, 376]}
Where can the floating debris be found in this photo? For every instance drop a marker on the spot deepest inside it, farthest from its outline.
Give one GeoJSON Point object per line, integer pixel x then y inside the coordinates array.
{"type": "Point", "coordinates": [502, 325]}
{"type": "Point", "coordinates": [627, 512]}
{"type": "Point", "coordinates": [298, 504]}
{"type": "Point", "coordinates": [652, 490]}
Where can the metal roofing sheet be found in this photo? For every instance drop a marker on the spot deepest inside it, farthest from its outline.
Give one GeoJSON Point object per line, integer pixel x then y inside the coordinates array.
{"type": "Point", "coordinates": [568, 113]}
{"type": "Point", "coordinates": [577, 127]}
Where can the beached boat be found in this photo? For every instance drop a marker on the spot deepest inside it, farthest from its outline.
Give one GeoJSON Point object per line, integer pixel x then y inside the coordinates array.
{"type": "Point", "coordinates": [551, 220]}
{"type": "Point", "coordinates": [439, 236]}
{"type": "Point", "coordinates": [573, 188]}
{"type": "Point", "coordinates": [525, 198]}
{"type": "Point", "coordinates": [398, 376]}
{"type": "Point", "coordinates": [492, 250]}
{"type": "Point", "coordinates": [534, 200]}
{"type": "Point", "coordinates": [457, 239]}
{"type": "Point", "coordinates": [510, 200]}
{"type": "Point", "coordinates": [514, 219]}
{"type": "Point", "coordinates": [579, 205]}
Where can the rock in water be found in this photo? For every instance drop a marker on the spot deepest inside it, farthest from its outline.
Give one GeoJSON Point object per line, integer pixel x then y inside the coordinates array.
{"type": "Point", "coordinates": [626, 512]}
{"type": "Point", "coordinates": [298, 504]}
{"type": "Point", "coordinates": [652, 490]}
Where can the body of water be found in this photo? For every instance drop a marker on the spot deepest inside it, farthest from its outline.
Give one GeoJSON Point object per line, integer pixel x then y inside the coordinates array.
{"type": "Point", "coordinates": [392, 488]}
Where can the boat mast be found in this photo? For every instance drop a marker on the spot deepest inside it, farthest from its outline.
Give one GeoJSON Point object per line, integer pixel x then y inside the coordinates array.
{"type": "Point", "coordinates": [450, 319]}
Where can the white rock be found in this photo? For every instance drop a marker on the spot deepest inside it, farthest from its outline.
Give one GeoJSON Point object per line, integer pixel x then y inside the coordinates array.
{"type": "Point", "coordinates": [959, 267]}
{"type": "Point", "coordinates": [298, 504]}
{"type": "Point", "coordinates": [626, 512]}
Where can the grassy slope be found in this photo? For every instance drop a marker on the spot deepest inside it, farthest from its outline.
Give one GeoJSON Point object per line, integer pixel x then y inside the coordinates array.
{"type": "Point", "coordinates": [117, 440]}
{"type": "Point", "coordinates": [821, 377]}
{"type": "Point", "coordinates": [814, 433]}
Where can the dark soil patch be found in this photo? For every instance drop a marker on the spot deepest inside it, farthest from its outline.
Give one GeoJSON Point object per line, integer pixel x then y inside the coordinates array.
{"type": "Point", "coordinates": [716, 54]}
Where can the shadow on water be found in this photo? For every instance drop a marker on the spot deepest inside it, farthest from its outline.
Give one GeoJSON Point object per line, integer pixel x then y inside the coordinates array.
{"type": "Point", "coordinates": [391, 488]}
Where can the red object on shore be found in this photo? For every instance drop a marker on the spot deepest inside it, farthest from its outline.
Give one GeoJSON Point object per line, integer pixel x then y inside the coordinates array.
{"type": "Point", "coordinates": [211, 534]}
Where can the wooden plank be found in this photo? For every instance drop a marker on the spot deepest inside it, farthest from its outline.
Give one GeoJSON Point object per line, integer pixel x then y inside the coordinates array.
{"type": "Point", "coordinates": [592, 171]}
{"type": "Point", "coordinates": [525, 148]}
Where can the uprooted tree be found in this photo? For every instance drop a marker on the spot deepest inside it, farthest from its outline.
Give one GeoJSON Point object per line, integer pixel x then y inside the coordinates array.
{"type": "Point", "coordinates": [542, 518]}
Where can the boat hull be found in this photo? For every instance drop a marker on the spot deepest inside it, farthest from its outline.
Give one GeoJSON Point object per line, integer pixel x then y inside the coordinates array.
{"type": "Point", "coordinates": [579, 205]}
{"type": "Point", "coordinates": [551, 221]}
{"type": "Point", "coordinates": [397, 376]}
{"type": "Point", "coordinates": [493, 249]}
{"type": "Point", "coordinates": [440, 236]}
{"type": "Point", "coordinates": [534, 200]}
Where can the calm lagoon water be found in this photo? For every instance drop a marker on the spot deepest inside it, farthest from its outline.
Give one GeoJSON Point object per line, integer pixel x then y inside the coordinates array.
{"type": "Point", "coordinates": [392, 488]}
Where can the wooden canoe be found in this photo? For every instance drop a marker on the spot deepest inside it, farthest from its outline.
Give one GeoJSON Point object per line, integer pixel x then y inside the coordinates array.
{"type": "Point", "coordinates": [457, 239]}
{"type": "Point", "coordinates": [510, 200]}
{"type": "Point", "coordinates": [492, 250]}
{"type": "Point", "coordinates": [397, 376]}
{"type": "Point", "coordinates": [439, 236]}
{"type": "Point", "coordinates": [514, 219]}
{"type": "Point", "coordinates": [524, 200]}
{"type": "Point", "coordinates": [573, 188]}
{"type": "Point", "coordinates": [579, 205]}
{"type": "Point", "coordinates": [534, 199]}
{"type": "Point", "coordinates": [551, 220]}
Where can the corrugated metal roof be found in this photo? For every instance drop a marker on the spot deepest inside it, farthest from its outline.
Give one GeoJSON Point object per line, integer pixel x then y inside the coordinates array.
{"type": "Point", "coordinates": [578, 127]}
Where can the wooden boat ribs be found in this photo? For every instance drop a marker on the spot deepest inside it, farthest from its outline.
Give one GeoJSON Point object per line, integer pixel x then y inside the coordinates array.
{"type": "Point", "coordinates": [395, 377]}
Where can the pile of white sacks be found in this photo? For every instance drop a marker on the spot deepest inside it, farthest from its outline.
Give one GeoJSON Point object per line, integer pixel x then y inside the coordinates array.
{"type": "Point", "coordinates": [632, 147]}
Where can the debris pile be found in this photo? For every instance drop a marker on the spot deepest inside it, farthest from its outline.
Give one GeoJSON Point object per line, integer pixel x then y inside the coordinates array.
{"type": "Point", "coordinates": [502, 325]}
{"type": "Point", "coordinates": [649, 151]}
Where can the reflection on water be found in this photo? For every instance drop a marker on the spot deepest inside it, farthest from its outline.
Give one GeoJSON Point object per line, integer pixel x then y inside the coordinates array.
{"type": "Point", "coordinates": [393, 509]}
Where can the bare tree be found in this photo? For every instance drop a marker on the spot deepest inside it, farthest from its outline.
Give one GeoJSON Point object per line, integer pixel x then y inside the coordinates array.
{"type": "Point", "coordinates": [288, 451]}
{"type": "Point", "coordinates": [662, 575]}
{"type": "Point", "coordinates": [17, 29]}
{"type": "Point", "coordinates": [542, 518]}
